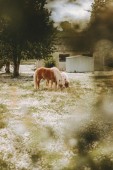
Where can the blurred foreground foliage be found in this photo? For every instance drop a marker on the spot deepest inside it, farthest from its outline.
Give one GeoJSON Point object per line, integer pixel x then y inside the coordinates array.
{"type": "Point", "coordinates": [93, 142]}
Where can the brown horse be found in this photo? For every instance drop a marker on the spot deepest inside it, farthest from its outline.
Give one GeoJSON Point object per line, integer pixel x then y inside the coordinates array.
{"type": "Point", "coordinates": [43, 73]}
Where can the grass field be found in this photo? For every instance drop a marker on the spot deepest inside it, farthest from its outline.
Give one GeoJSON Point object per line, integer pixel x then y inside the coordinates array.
{"type": "Point", "coordinates": [38, 128]}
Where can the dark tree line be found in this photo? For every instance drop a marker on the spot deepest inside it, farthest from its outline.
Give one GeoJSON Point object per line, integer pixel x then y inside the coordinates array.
{"type": "Point", "coordinates": [101, 22]}
{"type": "Point", "coordinates": [26, 27]}
{"type": "Point", "coordinates": [100, 26]}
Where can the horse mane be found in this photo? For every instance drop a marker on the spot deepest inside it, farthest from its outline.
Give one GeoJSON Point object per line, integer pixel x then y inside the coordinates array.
{"type": "Point", "coordinates": [57, 75]}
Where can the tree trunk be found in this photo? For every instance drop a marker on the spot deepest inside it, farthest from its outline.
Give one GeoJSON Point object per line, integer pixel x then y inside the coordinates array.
{"type": "Point", "coordinates": [16, 69]}
{"type": "Point", "coordinates": [7, 69]}
{"type": "Point", "coordinates": [16, 61]}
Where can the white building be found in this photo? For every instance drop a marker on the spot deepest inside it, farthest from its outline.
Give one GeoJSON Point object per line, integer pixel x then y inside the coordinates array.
{"type": "Point", "coordinates": [79, 64]}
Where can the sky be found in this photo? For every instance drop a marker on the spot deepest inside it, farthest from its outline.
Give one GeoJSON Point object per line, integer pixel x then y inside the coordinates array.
{"type": "Point", "coordinates": [70, 10]}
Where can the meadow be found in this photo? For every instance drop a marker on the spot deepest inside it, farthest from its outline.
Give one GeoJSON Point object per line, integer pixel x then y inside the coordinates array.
{"type": "Point", "coordinates": [56, 130]}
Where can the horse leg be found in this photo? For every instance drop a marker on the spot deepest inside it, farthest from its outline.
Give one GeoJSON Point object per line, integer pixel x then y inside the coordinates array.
{"type": "Point", "coordinates": [38, 83]}
{"type": "Point", "coordinates": [35, 86]}
{"type": "Point", "coordinates": [55, 85]}
{"type": "Point", "coordinates": [51, 83]}
{"type": "Point", "coordinates": [47, 83]}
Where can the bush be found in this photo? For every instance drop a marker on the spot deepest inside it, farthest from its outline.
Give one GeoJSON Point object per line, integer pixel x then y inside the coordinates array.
{"type": "Point", "coordinates": [105, 163]}
{"type": "Point", "coordinates": [50, 62]}
{"type": "Point", "coordinates": [88, 136]}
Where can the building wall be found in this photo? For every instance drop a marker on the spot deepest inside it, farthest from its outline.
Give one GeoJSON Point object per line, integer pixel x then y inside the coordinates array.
{"type": "Point", "coordinates": [62, 65]}
{"type": "Point", "coordinates": [79, 64]}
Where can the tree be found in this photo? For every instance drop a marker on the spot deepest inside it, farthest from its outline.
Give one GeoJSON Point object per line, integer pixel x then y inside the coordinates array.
{"type": "Point", "coordinates": [100, 25]}
{"type": "Point", "coordinates": [26, 22]}
{"type": "Point", "coordinates": [5, 55]}
{"type": "Point", "coordinates": [97, 7]}
{"type": "Point", "coordinates": [101, 21]}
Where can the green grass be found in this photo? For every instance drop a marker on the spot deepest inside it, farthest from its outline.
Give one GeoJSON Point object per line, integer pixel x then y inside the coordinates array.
{"type": "Point", "coordinates": [4, 165]}
{"type": "Point", "coordinates": [3, 108]}
{"type": "Point", "coordinates": [3, 111]}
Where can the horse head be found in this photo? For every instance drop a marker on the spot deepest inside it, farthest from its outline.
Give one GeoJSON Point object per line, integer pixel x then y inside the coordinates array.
{"type": "Point", "coordinates": [65, 80]}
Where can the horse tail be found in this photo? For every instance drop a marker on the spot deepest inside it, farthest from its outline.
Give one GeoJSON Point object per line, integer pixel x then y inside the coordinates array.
{"type": "Point", "coordinates": [35, 78]}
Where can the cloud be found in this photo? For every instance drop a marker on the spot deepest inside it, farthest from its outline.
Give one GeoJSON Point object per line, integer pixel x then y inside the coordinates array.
{"type": "Point", "coordinates": [70, 10]}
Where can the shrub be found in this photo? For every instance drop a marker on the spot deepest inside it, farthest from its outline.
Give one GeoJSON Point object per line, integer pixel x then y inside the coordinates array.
{"type": "Point", "coordinates": [105, 163]}
{"type": "Point", "coordinates": [87, 136]}
{"type": "Point", "coordinates": [50, 62]}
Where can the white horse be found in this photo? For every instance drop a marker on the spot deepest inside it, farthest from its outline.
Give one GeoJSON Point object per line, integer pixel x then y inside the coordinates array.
{"type": "Point", "coordinates": [65, 79]}
{"type": "Point", "coordinates": [57, 74]}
